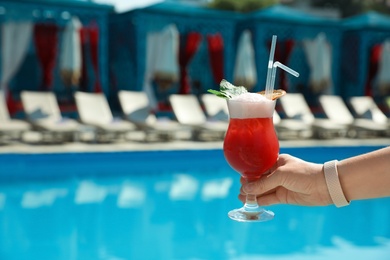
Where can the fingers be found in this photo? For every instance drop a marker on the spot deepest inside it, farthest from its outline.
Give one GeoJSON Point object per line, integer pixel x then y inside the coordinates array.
{"type": "Point", "coordinates": [264, 200]}
{"type": "Point", "coordinates": [269, 199]}
{"type": "Point", "coordinates": [274, 178]}
{"type": "Point", "coordinates": [267, 185]}
{"type": "Point", "coordinates": [263, 185]}
{"type": "Point", "coordinates": [244, 181]}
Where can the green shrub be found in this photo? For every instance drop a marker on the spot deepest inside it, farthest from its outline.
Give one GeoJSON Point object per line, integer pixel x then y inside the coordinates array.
{"type": "Point", "coordinates": [243, 6]}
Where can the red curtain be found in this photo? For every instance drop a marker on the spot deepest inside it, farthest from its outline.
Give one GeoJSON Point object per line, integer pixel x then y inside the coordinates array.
{"type": "Point", "coordinates": [94, 46]}
{"type": "Point", "coordinates": [215, 45]}
{"type": "Point", "coordinates": [46, 42]}
{"type": "Point", "coordinates": [373, 65]}
{"type": "Point", "coordinates": [187, 51]}
{"type": "Point", "coordinates": [282, 54]}
{"type": "Point", "coordinates": [89, 37]}
{"type": "Point", "coordinates": [84, 46]}
{"type": "Point", "coordinates": [11, 103]}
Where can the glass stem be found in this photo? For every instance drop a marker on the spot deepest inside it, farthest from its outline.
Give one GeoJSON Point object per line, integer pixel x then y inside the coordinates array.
{"type": "Point", "coordinates": [251, 202]}
{"type": "Point", "coordinates": [251, 199]}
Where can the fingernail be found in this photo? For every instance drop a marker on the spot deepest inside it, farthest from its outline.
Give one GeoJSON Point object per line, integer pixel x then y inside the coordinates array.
{"type": "Point", "coordinates": [249, 187]}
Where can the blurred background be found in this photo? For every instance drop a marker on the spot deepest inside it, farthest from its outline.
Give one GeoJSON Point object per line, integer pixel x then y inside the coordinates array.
{"type": "Point", "coordinates": [187, 47]}
{"type": "Point", "coordinates": [147, 200]}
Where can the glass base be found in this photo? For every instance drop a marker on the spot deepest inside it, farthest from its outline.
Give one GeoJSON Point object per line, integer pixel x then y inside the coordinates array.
{"type": "Point", "coordinates": [251, 214]}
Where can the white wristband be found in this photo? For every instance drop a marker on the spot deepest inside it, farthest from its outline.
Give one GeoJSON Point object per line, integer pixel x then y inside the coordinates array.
{"type": "Point", "coordinates": [333, 183]}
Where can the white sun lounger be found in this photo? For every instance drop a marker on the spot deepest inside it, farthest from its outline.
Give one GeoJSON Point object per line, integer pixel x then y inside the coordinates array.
{"type": "Point", "coordinates": [367, 112]}
{"type": "Point", "coordinates": [288, 128]}
{"type": "Point", "coordinates": [43, 112]}
{"type": "Point", "coordinates": [94, 110]}
{"type": "Point", "coordinates": [216, 108]}
{"type": "Point", "coordinates": [136, 108]}
{"type": "Point", "coordinates": [189, 112]}
{"type": "Point", "coordinates": [9, 127]}
{"type": "Point", "coordinates": [296, 107]}
{"type": "Point", "coordinates": [336, 109]}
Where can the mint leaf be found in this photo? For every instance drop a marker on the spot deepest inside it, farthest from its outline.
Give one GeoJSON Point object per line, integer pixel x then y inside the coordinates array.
{"type": "Point", "coordinates": [228, 90]}
{"type": "Point", "coordinates": [217, 93]}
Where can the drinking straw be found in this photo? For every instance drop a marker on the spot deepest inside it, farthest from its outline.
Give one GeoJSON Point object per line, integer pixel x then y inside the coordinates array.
{"type": "Point", "coordinates": [268, 90]}
{"type": "Point", "coordinates": [283, 67]}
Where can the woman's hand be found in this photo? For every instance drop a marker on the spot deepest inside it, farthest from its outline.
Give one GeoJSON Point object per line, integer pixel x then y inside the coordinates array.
{"type": "Point", "coordinates": [290, 181]}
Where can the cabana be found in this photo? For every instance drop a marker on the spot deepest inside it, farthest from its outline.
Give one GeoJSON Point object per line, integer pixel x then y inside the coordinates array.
{"type": "Point", "coordinates": [199, 39]}
{"type": "Point", "coordinates": [34, 53]}
{"type": "Point", "coordinates": [362, 47]}
{"type": "Point", "coordinates": [201, 64]}
{"type": "Point", "coordinates": [295, 30]}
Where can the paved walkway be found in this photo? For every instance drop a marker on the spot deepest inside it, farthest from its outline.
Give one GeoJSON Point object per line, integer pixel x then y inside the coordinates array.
{"type": "Point", "coordinates": [17, 147]}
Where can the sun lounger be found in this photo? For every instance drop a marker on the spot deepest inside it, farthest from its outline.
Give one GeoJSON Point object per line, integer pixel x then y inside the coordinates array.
{"type": "Point", "coordinates": [189, 112]}
{"type": "Point", "coordinates": [216, 108]}
{"type": "Point", "coordinates": [337, 110]}
{"type": "Point", "coordinates": [94, 110]}
{"type": "Point", "coordinates": [288, 128]}
{"type": "Point", "coordinates": [136, 108]}
{"type": "Point", "coordinates": [43, 112]}
{"type": "Point", "coordinates": [9, 127]}
{"type": "Point", "coordinates": [296, 107]}
{"type": "Point", "coordinates": [367, 111]}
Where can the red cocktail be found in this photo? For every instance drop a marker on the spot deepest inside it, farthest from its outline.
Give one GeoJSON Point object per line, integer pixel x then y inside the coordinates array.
{"type": "Point", "coordinates": [251, 147]}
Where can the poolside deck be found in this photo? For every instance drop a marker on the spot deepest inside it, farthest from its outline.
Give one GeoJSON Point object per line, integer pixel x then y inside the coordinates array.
{"type": "Point", "coordinates": [18, 147]}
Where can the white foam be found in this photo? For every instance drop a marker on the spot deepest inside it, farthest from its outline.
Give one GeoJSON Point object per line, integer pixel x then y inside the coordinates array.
{"type": "Point", "coordinates": [250, 105]}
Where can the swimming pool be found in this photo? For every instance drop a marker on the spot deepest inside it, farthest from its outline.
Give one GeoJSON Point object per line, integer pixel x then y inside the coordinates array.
{"type": "Point", "coordinates": [169, 205]}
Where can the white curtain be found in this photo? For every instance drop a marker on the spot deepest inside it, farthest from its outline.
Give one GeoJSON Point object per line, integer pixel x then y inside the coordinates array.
{"type": "Point", "coordinates": [15, 40]}
{"type": "Point", "coordinates": [245, 67]}
{"type": "Point", "coordinates": [167, 51]}
{"type": "Point", "coordinates": [161, 58]}
{"type": "Point", "coordinates": [319, 58]}
{"type": "Point", "coordinates": [70, 57]}
{"type": "Point", "coordinates": [151, 40]}
{"type": "Point", "coordinates": [383, 76]}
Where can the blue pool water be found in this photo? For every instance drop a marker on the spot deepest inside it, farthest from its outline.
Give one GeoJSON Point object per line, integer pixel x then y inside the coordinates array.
{"type": "Point", "coordinates": [169, 205]}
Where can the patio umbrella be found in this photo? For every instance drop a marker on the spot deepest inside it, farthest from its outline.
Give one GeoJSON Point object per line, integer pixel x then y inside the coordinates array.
{"type": "Point", "coordinates": [70, 59]}
{"type": "Point", "coordinates": [383, 78]}
{"type": "Point", "coordinates": [245, 66]}
{"type": "Point", "coordinates": [318, 54]}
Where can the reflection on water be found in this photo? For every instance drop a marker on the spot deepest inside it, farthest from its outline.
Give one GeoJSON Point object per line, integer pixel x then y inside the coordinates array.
{"type": "Point", "coordinates": [216, 189]}
{"type": "Point", "coordinates": [180, 214]}
{"type": "Point", "coordinates": [131, 196]}
{"type": "Point", "coordinates": [35, 199]}
{"type": "Point", "coordinates": [90, 192]}
{"type": "Point", "coordinates": [184, 187]}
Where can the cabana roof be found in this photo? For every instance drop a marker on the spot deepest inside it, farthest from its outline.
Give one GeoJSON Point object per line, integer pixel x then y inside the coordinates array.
{"type": "Point", "coordinates": [62, 3]}
{"type": "Point", "coordinates": [371, 20]}
{"type": "Point", "coordinates": [287, 14]}
{"type": "Point", "coordinates": [59, 11]}
{"type": "Point", "coordinates": [188, 10]}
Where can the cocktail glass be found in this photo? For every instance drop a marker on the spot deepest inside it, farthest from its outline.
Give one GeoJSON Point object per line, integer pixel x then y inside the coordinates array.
{"type": "Point", "coordinates": [251, 147]}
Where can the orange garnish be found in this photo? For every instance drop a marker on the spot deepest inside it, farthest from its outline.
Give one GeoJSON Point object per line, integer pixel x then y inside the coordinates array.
{"type": "Point", "coordinates": [278, 93]}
